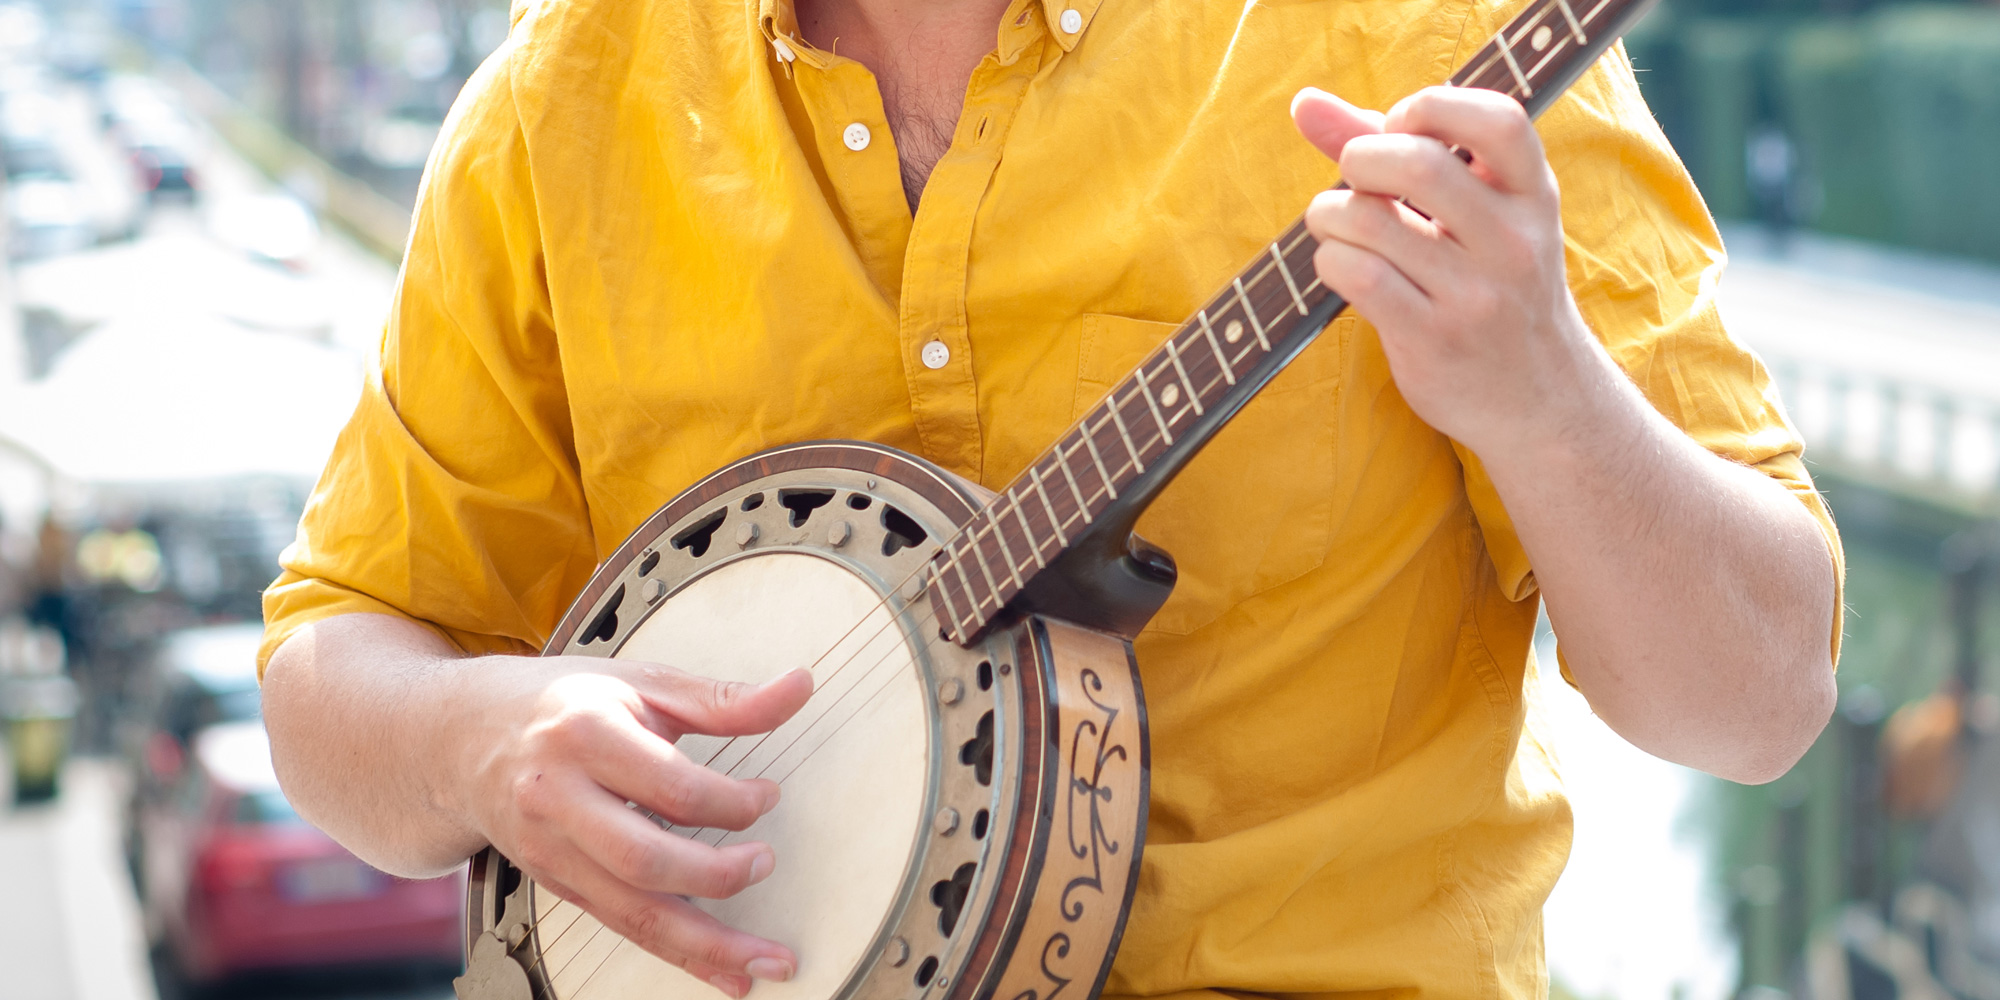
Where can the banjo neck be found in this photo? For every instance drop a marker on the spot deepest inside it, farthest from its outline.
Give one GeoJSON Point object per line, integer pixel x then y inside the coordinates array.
{"type": "Point", "coordinates": [1084, 493]}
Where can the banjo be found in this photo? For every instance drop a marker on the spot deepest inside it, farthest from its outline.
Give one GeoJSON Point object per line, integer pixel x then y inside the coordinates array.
{"type": "Point", "coordinates": [975, 690]}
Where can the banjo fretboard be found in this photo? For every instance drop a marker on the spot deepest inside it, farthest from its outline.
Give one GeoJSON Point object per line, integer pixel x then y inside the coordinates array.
{"type": "Point", "coordinates": [1112, 462]}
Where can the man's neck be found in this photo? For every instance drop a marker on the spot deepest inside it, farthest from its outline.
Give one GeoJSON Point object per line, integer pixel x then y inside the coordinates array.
{"type": "Point", "coordinates": [922, 53]}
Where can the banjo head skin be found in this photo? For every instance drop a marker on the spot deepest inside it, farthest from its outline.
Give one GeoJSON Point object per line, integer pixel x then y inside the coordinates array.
{"type": "Point", "coordinates": [958, 822]}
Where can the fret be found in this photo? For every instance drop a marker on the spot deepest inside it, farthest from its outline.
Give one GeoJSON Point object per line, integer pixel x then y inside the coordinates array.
{"type": "Point", "coordinates": [1062, 462]}
{"type": "Point", "coordinates": [1103, 475]}
{"type": "Point", "coordinates": [964, 623]}
{"type": "Point", "coordinates": [1035, 474]}
{"type": "Point", "coordinates": [1209, 332]}
{"type": "Point", "coordinates": [1468, 75]}
{"type": "Point", "coordinates": [1507, 53]}
{"type": "Point", "coordinates": [967, 623]}
{"type": "Point", "coordinates": [979, 556]}
{"type": "Point", "coordinates": [1034, 547]}
{"type": "Point", "coordinates": [1007, 553]}
{"type": "Point", "coordinates": [1174, 355]}
{"type": "Point", "coordinates": [1119, 420]}
{"type": "Point", "coordinates": [1574, 28]}
{"type": "Point", "coordinates": [1146, 392]}
{"type": "Point", "coordinates": [1285, 270]}
{"type": "Point", "coordinates": [1251, 314]}
{"type": "Point", "coordinates": [957, 561]}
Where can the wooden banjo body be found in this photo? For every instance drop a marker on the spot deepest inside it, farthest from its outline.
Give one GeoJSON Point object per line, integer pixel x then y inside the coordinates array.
{"type": "Point", "coordinates": [958, 821]}
{"type": "Point", "coordinates": [965, 793]}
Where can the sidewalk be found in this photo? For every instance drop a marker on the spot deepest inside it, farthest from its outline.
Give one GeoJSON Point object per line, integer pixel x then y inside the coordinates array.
{"type": "Point", "coordinates": [70, 928]}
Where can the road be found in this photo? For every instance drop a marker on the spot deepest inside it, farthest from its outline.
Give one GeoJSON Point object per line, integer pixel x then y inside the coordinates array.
{"type": "Point", "coordinates": [72, 930]}
{"type": "Point", "coordinates": [71, 927]}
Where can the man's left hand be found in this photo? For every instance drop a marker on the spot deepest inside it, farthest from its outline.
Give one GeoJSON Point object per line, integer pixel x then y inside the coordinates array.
{"type": "Point", "coordinates": [1694, 596]}
{"type": "Point", "coordinates": [1456, 261]}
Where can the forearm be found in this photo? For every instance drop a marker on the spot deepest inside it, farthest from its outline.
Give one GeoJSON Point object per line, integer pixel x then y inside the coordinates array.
{"type": "Point", "coordinates": [1693, 596]}
{"type": "Point", "coordinates": [414, 757]}
{"type": "Point", "coordinates": [358, 709]}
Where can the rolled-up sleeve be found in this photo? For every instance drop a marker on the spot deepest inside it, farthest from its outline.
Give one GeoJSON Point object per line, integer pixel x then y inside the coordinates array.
{"type": "Point", "coordinates": [452, 497]}
{"type": "Point", "coordinates": [1644, 262]}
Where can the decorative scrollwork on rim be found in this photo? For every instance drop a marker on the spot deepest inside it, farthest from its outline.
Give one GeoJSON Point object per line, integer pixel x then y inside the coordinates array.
{"type": "Point", "coordinates": [1059, 944]}
{"type": "Point", "coordinates": [1096, 842]}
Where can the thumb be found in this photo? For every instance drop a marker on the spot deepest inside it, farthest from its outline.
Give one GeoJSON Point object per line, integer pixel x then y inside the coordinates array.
{"type": "Point", "coordinates": [696, 704]}
{"type": "Point", "coordinates": [1329, 122]}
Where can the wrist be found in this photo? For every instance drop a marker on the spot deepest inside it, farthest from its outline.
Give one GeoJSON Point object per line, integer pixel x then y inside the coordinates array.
{"type": "Point", "coordinates": [453, 746]}
{"type": "Point", "coordinates": [1583, 408]}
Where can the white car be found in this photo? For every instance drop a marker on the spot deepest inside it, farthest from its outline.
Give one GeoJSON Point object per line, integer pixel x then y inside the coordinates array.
{"type": "Point", "coordinates": [47, 216]}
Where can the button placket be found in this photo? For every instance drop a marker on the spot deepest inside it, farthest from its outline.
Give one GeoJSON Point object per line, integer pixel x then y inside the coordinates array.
{"type": "Point", "coordinates": [943, 393]}
{"type": "Point", "coordinates": [843, 102]}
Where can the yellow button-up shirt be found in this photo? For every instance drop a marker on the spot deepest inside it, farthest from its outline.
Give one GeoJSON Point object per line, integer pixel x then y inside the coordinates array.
{"type": "Point", "coordinates": [659, 235]}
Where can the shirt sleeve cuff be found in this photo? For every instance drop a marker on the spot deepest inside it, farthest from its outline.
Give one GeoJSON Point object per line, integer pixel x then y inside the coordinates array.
{"type": "Point", "coordinates": [295, 601]}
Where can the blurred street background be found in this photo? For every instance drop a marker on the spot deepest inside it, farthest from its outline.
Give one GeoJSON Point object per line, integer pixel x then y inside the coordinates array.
{"type": "Point", "coordinates": [205, 202]}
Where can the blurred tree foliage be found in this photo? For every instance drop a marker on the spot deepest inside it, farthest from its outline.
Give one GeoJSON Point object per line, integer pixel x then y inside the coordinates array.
{"type": "Point", "coordinates": [1882, 121]}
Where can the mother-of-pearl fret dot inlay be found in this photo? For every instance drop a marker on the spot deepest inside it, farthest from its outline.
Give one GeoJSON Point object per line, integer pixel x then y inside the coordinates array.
{"type": "Point", "coordinates": [1540, 39]}
{"type": "Point", "coordinates": [1170, 396]}
{"type": "Point", "coordinates": [1234, 331]}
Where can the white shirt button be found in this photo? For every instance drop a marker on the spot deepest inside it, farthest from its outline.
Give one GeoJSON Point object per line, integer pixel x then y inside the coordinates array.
{"type": "Point", "coordinates": [935, 354]}
{"type": "Point", "coordinates": [855, 136]}
{"type": "Point", "coordinates": [1071, 21]}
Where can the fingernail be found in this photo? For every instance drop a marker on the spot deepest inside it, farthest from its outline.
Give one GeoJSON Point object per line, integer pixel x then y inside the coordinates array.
{"type": "Point", "coordinates": [770, 970]}
{"type": "Point", "coordinates": [727, 986]}
{"type": "Point", "coordinates": [760, 869]}
{"type": "Point", "coordinates": [771, 797]}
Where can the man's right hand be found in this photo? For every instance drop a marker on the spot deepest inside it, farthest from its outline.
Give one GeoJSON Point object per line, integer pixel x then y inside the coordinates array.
{"type": "Point", "coordinates": [559, 745]}
{"type": "Point", "coordinates": [539, 757]}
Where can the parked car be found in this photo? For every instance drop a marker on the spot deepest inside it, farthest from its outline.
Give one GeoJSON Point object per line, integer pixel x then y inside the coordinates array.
{"type": "Point", "coordinates": [232, 880]}
{"type": "Point", "coordinates": [163, 169]}
{"type": "Point", "coordinates": [146, 118]}
{"type": "Point", "coordinates": [198, 677]}
{"type": "Point", "coordinates": [47, 216]}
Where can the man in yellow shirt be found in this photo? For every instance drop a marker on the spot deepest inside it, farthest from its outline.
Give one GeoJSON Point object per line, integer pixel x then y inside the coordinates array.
{"type": "Point", "coordinates": [659, 235]}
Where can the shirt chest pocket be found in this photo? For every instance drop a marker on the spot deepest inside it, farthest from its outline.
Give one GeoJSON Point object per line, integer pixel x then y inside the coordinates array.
{"type": "Point", "coordinates": [1254, 510]}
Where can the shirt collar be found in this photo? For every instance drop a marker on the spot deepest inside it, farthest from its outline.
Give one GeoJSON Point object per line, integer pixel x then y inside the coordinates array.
{"type": "Point", "coordinates": [779, 22]}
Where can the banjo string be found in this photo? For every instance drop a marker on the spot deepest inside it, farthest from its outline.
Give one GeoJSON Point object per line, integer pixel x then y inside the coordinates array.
{"type": "Point", "coordinates": [888, 677]}
{"type": "Point", "coordinates": [895, 613]}
{"type": "Point", "coordinates": [928, 611]}
{"type": "Point", "coordinates": [695, 834]}
{"type": "Point", "coordinates": [896, 593]}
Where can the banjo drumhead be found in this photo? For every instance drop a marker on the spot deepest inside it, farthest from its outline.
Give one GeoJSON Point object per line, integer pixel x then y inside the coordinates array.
{"type": "Point", "coordinates": [852, 763]}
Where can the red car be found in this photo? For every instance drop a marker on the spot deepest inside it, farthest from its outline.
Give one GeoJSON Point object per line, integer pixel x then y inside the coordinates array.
{"type": "Point", "coordinates": [235, 881]}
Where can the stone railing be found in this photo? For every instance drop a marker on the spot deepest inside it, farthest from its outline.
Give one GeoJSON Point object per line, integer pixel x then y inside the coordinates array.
{"type": "Point", "coordinates": [1909, 435]}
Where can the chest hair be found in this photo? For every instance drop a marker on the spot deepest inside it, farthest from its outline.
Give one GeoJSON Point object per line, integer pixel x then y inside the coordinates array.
{"type": "Point", "coordinates": [922, 118]}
